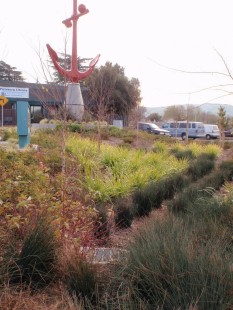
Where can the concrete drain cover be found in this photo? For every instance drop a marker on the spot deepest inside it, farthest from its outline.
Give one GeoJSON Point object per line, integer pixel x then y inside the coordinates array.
{"type": "Point", "coordinates": [104, 255]}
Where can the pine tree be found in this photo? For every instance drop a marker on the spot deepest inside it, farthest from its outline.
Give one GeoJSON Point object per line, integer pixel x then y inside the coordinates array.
{"type": "Point", "coordinates": [8, 73]}
{"type": "Point", "coordinates": [222, 121]}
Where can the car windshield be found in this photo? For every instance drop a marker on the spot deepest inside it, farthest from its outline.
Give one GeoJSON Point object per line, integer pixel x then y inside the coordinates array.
{"type": "Point", "coordinates": [154, 126]}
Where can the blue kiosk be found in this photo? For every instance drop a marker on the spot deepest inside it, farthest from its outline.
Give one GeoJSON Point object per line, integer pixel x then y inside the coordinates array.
{"type": "Point", "coordinates": [25, 100]}
{"type": "Point", "coordinates": [22, 123]}
{"type": "Point", "coordinates": [19, 95]}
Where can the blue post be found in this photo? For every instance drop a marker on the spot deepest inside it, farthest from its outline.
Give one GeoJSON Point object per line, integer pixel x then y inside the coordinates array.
{"type": "Point", "coordinates": [22, 123]}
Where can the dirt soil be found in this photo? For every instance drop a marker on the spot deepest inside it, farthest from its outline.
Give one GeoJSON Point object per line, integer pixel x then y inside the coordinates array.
{"type": "Point", "coordinates": [120, 238]}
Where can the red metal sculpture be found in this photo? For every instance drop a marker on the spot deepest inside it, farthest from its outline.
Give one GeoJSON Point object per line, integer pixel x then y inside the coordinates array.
{"type": "Point", "coordinates": [73, 75]}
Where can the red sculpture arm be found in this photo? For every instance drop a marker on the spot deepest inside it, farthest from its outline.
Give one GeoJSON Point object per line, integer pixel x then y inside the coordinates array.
{"type": "Point", "coordinates": [73, 75]}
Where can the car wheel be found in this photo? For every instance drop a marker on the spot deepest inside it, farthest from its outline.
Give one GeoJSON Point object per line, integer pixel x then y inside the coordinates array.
{"type": "Point", "coordinates": [183, 136]}
{"type": "Point", "coordinates": [208, 137]}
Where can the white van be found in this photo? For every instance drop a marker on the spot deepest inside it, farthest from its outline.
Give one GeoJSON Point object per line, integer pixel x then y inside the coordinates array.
{"type": "Point", "coordinates": [211, 131]}
{"type": "Point", "coordinates": [179, 129]}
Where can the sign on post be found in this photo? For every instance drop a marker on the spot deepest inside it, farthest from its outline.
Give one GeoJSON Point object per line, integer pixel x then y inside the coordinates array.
{"type": "Point", "coordinates": [3, 101]}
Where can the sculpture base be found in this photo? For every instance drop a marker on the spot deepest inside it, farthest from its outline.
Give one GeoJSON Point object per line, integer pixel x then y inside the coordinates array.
{"type": "Point", "coordinates": [74, 102]}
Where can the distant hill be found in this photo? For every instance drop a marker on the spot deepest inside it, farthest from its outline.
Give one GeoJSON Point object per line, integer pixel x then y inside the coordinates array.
{"type": "Point", "coordinates": [214, 107]}
{"type": "Point", "coordinates": [206, 107]}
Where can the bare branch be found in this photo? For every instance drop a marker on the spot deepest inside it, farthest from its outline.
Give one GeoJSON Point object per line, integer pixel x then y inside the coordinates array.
{"type": "Point", "coordinates": [185, 71]}
{"type": "Point", "coordinates": [219, 97]}
{"type": "Point", "coordinates": [214, 87]}
{"type": "Point", "coordinates": [225, 64]}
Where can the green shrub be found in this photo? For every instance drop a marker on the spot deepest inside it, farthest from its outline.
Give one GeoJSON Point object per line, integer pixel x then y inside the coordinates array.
{"type": "Point", "coordinates": [128, 140]}
{"type": "Point", "coordinates": [227, 168]}
{"type": "Point", "coordinates": [214, 180]}
{"type": "Point", "coordinates": [116, 132]}
{"type": "Point", "coordinates": [154, 193]}
{"type": "Point", "coordinates": [47, 138]}
{"type": "Point", "coordinates": [173, 184]}
{"type": "Point", "coordinates": [36, 117]}
{"type": "Point", "coordinates": [200, 167]}
{"type": "Point", "coordinates": [104, 135]}
{"type": "Point", "coordinates": [141, 205]}
{"type": "Point", "coordinates": [123, 213]}
{"type": "Point", "coordinates": [81, 279]}
{"type": "Point", "coordinates": [74, 127]}
{"type": "Point", "coordinates": [184, 199]}
{"type": "Point", "coordinates": [159, 147]}
{"type": "Point", "coordinates": [101, 225]}
{"type": "Point", "coordinates": [44, 121]}
{"type": "Point", "coordinates": [34, 266]}
{"type": "Point", "coordinates": [212, 211]}
{"type": "Point", "coordinates": [227, 145]}
{"type": "Point", "coordinates": [6, 134]}
{"type": "Point", "coordinates": [169, 269]}
{"type": "Point", "coordinates": [204, 188]}
{"type": "Point", "coordinates": [188, 197]}
{"type": "Point", "coordinates": [116, 171]}
{"type": "Point", "coordinates": [53, 162]}
{"type": "Point", "coordinates": [210, 155]}
{"type": "Point", "coordinates": [182, 154]}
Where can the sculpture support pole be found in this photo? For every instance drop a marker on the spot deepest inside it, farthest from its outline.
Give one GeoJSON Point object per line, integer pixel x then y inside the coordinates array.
{"type": "Point", "coordinates": [74, 101]}
{"type": "Point", "coordinates": [74, 98]}
{"type": "Point", "coordinates": [74, 41]}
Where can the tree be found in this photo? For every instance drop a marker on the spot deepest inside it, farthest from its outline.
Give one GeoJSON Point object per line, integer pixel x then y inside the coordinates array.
{"type": "Point", "coordinates": [107, 91]}
{"type": "Point", "coordinates": [110, 88]}
{"type": "Point", "coordinates": [175, 112]}
{"type": "Point", "coordinates": [100, 87]}
{"type": "Point", "coordinates": [222, 121]}
{"type": "Point", "coordinates": [154, 117]}
{"type": "Point", "coordinates": [207, 118]}
{"type": "Point", "coordinates": [8, 73]}
{"type": "Point", "coordinates": [137, 114]}
{"type": "Point", "coordinates": [230, 122]}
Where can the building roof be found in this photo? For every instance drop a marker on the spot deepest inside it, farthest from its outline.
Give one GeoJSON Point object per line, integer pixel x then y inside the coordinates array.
{"type": "Point", "coordinates": [38, 93]}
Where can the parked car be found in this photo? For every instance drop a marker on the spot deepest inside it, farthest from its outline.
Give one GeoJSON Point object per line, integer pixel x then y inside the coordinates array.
{"type": "Point", "coordinates": [179, 129]}
{"type": "Point", "coordinates": [153, 128]}
{"type": "Point", "coordinates": [228, 133]}
{"type": "Point", "coordinates": [211, 131]}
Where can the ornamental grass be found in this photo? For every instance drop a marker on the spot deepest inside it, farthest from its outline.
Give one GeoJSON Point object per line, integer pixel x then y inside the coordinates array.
{"type": "Point", "coordinates": [170, 268]}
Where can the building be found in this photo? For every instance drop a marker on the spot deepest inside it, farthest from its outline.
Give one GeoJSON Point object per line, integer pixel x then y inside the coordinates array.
{"type": "Point", "coordinates": [43, 99]}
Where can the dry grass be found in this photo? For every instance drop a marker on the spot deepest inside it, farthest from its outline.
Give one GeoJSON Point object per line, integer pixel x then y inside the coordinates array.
{"type": "Point", "coordinates": [53, 298]}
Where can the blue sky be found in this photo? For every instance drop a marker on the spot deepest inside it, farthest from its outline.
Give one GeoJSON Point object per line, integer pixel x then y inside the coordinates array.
{"type": "Point", "coordinates": [147, 38]}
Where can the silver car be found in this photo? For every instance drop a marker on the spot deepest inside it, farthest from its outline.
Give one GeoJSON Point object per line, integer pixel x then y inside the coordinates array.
{"type": "Point", "coordinates": [153, 128]}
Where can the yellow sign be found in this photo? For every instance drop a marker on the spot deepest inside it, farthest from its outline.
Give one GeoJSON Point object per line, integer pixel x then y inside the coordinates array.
{"type": "Point", "coordinates": [3, 100]}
